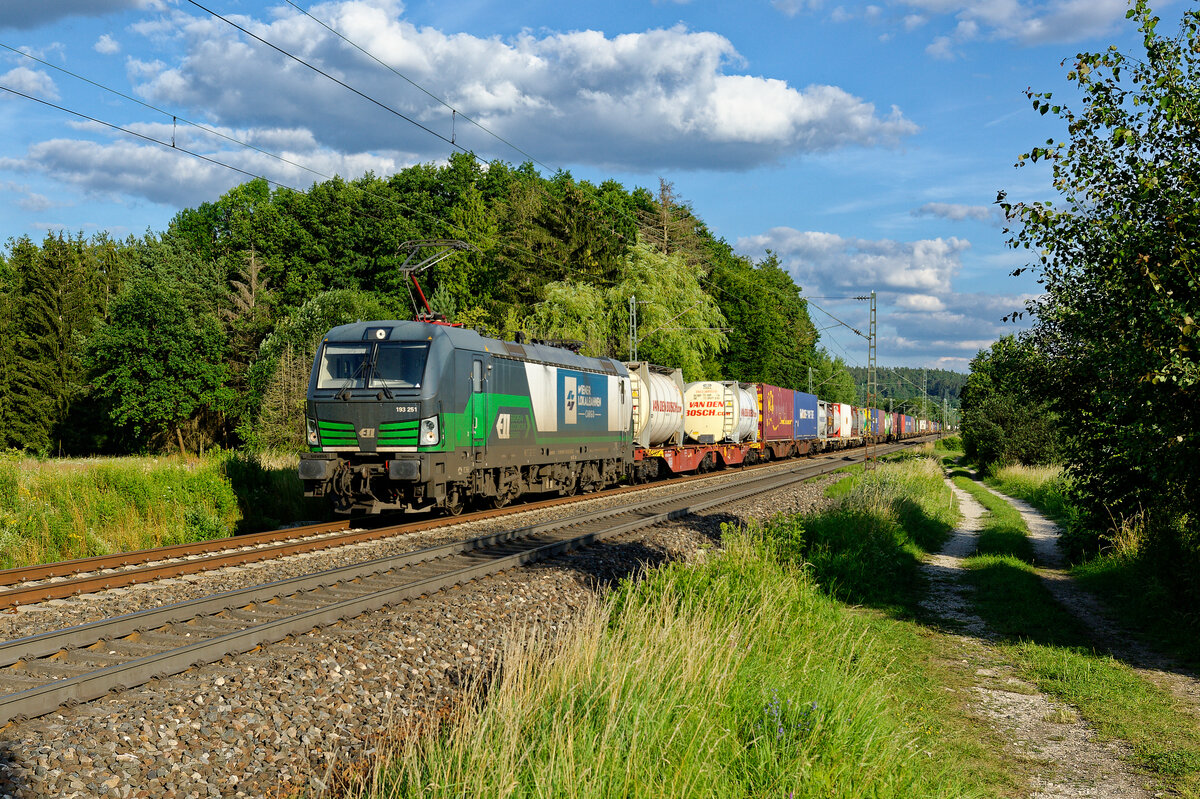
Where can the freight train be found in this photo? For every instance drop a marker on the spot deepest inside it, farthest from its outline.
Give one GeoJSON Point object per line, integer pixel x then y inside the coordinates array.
{"type": "Point", "coordinates": [419, 415]}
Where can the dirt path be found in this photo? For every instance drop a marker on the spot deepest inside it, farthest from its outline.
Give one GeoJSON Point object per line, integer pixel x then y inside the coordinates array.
{"type": "Point", "coordinates": [1105, 631]}
{"type": "Point", "coordinates": [1065, 757]}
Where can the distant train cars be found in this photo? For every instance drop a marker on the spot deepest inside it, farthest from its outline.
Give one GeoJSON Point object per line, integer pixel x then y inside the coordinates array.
{"type": "Point", "coordinates": [411, 415]}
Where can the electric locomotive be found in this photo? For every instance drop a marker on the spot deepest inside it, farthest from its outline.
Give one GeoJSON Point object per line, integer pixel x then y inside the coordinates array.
{"type": "Point", "coordinates": [410, 415]}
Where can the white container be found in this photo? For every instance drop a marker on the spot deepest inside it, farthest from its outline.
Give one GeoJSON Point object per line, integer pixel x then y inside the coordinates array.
{"type": "Point", "coordinates": [842, 420]}
{"type": "Point", "coordinates": [657, 404]}
{"type": "Point", "coordinates": [713, 412]}
{"type": "Point", "coordinates": [747, 412]}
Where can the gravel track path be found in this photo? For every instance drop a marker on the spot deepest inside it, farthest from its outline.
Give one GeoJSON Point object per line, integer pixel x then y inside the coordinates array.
{"type": "Point", "coordinates": [1107, 633]}
{"type": "Point", "coordinates": [1066, 757]}
{"type": "Point", "coordinates": [289, 717]}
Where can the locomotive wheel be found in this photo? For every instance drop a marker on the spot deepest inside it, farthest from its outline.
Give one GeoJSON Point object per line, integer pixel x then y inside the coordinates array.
{"type": "Point", "coordinates": [570, 488]}
{"type": "Point", "coordinates": [454, 504]}
{"type": "Point", "coordinates": [501, 500]}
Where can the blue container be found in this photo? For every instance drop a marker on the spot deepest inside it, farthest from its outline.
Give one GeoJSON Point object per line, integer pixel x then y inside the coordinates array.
{"type": "Point", "coordinates": [805, 417]}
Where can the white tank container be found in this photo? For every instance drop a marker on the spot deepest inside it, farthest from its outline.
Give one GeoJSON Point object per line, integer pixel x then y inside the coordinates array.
{"type": "Point", "coordinates": [712, 413]}
{"type": "Point", "coordinates": [657, 404]}
{"type": "Point", "coordinates": [747, 412]}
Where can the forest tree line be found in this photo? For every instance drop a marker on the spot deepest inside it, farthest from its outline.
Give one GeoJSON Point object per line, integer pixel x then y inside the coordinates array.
{"type": "Point", "coordinates": [202, 335]}
{"type": "Point", "coordinates": [917, 392]}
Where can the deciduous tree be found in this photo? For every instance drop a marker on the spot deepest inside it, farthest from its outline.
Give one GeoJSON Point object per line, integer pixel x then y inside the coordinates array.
{"type": "Point", "coordinates": [1118, 257]}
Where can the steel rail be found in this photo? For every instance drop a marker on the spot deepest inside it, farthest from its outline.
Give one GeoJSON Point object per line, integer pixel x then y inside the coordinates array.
{"type": "Point", "coordinates": [65, 568]}
{"type": "Point", "coordinates": [90, 574]}
{"type": "Point", "coordinates": [94, 684]}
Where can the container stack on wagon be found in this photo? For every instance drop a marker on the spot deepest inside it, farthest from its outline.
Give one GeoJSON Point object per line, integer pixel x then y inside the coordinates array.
{"type": "Point", "coordinates": [786, 423]}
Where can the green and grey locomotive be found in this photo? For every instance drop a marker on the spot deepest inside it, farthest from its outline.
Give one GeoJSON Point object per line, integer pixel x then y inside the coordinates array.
{"type": "Point", "coordinates": [409, 415]}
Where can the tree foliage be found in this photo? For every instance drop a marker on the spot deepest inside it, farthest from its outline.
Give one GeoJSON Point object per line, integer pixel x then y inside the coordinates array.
{"type": "Point", "coordinates": [155, 363]}
{"type": "Point", "coordinates": [1005, 421]}
{"type": "Point", "coordinates": [200, 332]}
{"type": "Point", "coordinates": [1118, 261]}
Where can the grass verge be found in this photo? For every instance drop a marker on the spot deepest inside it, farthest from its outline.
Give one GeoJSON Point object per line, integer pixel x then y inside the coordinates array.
{"type": "Point", "coordinates": [739, 675]}
{"type": "Point", "coordinates": [1125, 577]}
{"type": "Point", "coordinates": [1046, 488]}
{"type": "Point", "coordinates": [62, 509]}
{"type": "Point", "coordinates": [1050, 647]}
{"type": "Point", "coordinates": [1003, 531]}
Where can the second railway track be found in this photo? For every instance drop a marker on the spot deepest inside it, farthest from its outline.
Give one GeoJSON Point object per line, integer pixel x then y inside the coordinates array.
{"type": "Point", "coordinates": [42, 672]}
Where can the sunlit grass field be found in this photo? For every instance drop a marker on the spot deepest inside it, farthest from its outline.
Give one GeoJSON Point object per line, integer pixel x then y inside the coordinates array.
{"type": "Point", "coordinates": [58, 509]}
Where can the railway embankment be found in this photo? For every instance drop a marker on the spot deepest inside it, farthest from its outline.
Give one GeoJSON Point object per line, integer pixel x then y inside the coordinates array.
{"type": "Point", "coordinates": [873, 634]}
{"type": "Point", "coordinates": [293, 716]}
{"type": "Point", "coordinates": [885, 609]}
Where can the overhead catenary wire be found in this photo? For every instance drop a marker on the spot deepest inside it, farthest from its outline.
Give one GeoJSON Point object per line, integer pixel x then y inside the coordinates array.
{"type": "Point", "coordinates": [145, 137]}
{"type": "Point", "coordinates": [174, 117]}
{"type": "Point", "coordinates": [325, 74]}
{"type": "Point", "coordinates": [234, 140]}
{"type": "Point", "coordinates": [455, 113]}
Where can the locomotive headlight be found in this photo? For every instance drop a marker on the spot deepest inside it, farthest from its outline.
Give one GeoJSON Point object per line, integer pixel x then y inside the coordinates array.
{"type": "Point", "coordinates": [313, 437]}
{"type": "Point", "coordinates": [429, 432]}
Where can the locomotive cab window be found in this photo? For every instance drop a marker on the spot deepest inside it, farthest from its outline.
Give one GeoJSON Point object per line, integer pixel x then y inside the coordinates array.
{"type": "Point", "coordinates": [477, 376]}
{"type": "Point", "coordinates": [344, 366]}
{"type": "Point", "coordinates": [399, 364]}
{"type": "Point", "coordinates": [388, 364]}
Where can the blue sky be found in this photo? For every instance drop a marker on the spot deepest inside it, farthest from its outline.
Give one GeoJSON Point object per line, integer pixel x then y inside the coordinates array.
{"type": "Point", "coordinates": [863, 143]}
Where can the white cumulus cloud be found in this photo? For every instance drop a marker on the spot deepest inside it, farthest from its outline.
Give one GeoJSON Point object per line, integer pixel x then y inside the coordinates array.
{"type": "Point", "coordinates": [827, 262]}
{"type": "Point", "coordinates": [107, 45]}
{"type": "Point", "coordinates": [922, 318]}
{"type": "Point", "coordinates": [665, 98]}
{"type": "Point", "coordinates": [956, 211]}
{"type": "Point", "coordinates": [30, 81]}
{"type": "Point", "coordinates": [170, 176]}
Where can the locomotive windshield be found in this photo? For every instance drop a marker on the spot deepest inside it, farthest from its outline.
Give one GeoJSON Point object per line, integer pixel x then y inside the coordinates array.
{"type": "Point", "coordinates": [399, 364]}
{"type": "Point", "coordinates": [344, 366]}
{"type": "Point", "coordinates": [389, 364]}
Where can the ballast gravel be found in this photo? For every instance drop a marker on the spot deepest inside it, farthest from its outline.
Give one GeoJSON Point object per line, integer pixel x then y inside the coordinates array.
{"type": "Point", "coordinates": [292, 716]}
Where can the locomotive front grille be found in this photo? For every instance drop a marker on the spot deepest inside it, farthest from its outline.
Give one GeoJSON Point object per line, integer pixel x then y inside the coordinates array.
{"type": "Point", "coordinates": [337, 434]}
{"type": "Point", "coordinates": [399, 434]}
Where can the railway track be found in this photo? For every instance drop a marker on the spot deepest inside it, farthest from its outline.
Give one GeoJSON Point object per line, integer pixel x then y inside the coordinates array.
{"type": "Point", "coordinates": [32, 584]}
{"type": "Point", "coordinates": [40, 673]}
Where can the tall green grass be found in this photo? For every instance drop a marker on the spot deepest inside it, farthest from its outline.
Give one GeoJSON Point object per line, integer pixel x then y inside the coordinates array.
{"type": "Point", "coordinates": [737, 676]}
{"type": "Point", "coordinates": [1046, 488]}
{"type": "Point", "coordinates": [62, 509]}
{"type": "Point", "coordinates": [867, 549]}
{"type": "Point", "coordinates": [1127, 578]}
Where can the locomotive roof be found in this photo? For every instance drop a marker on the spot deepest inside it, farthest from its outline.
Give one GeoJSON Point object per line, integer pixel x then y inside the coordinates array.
{"type": "Point", "coordinates": [466, 339]}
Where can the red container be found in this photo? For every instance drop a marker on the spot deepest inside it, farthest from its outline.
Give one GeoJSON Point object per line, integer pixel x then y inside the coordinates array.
{"type": "Point", "coordinates": [778, 406]}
